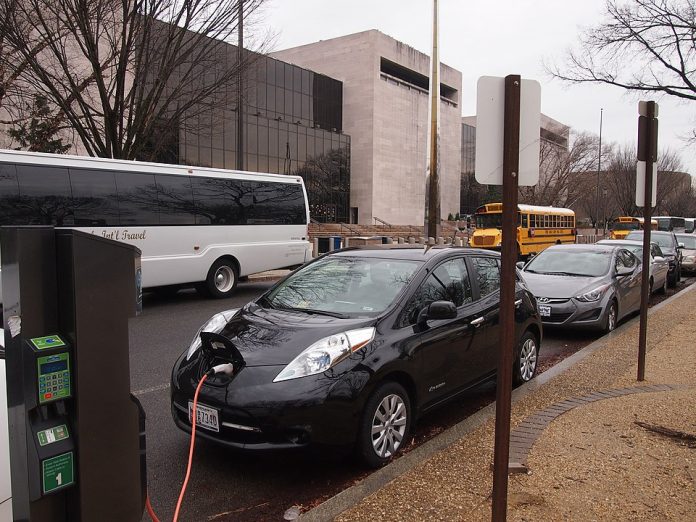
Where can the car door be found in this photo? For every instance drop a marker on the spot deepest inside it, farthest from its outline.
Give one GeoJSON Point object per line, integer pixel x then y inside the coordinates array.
{"type": "Point", "coordinates": [628, 287]}
{"type": "Point", "coordinates": [442, 344]}
{"type": "Point", "coordinates": [486, 272]}
{"type": "Point", "coordinates": [660, 266]}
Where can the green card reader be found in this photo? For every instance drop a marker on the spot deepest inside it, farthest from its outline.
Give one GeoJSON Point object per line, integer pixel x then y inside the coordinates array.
{"type": "Point", "coordinates": [52, 457]}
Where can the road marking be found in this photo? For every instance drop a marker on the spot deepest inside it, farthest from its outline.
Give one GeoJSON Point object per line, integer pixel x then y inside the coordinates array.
{"type": "Point", "coordinates": [150, 390]}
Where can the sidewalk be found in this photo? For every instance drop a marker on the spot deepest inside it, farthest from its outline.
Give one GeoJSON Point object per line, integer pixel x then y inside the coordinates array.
{"type": "Point", "coordinates": [591, 461]}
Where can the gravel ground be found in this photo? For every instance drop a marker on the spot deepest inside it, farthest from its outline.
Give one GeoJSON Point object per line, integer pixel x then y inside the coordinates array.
{"type": "Point", "coordinates": [592, 463]}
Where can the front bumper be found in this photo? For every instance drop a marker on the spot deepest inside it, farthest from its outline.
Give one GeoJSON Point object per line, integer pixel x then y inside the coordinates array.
{"type": "Point", "coordinates": [570, 313]}
{"type": "Point", "coordinates": [257, 414]}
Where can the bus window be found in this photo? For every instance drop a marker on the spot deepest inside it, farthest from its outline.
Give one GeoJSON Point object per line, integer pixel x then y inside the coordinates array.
{"type": "Point", "coordinates": [279, 204]}
{"type": "Point", "coordinates": [137, 194]}
{"type": "Point", "coordinates": [9, 194]}
{"type": "Point", "coordinates": [94, 197]}
{"type": "Point", "coordinates": [175, 200]}
{"type": "Point", "coordinates": [44, 195]}
{"type": "Point", "coordinates": [222, 201]}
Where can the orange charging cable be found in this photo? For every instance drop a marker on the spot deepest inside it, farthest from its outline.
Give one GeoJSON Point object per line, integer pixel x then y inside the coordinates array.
{"type": "Point", "coordinates": [193, 443]}
{"type": "Point", "coordinates": [151, 511]}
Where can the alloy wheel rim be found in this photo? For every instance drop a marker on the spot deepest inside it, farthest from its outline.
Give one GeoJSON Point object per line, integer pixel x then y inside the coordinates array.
{"type": "Point", "coordinates": [389, 426]}
{"type": "Point", "coordinates": [612, 317]}
{"type": "Point", "coordinates": [528, 359]}
{"type": "Point", "coordinates": [224, 278]}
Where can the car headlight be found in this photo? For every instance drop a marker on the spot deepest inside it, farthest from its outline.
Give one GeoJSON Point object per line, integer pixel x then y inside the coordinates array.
{"type": "Point", "coordinates": [592, 295]}
{"type": "Point", "coordinates": [689, 259]}
{"type": "Point", "coordinates": [326, 353]}
{"type": "Point", "coordinates": [215, 324]}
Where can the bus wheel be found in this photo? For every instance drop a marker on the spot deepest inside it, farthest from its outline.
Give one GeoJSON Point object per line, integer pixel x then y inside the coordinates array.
{"type": "Point", "coordinates": [222, 279]}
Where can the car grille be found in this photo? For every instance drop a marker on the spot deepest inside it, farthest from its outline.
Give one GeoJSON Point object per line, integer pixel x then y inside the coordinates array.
{"type": "Point", "coordinates": [484, 240]}
{"type": "Point", "coordinates": [551, 300]}
{"type": "Point", "coordinates": [557, 318]}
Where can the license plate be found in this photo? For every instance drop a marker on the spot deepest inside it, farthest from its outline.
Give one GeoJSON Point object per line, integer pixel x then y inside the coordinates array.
{"type": "Point", "coordinates": [206, 417]}
{"type": "Point", "coordinates": [544, 310]}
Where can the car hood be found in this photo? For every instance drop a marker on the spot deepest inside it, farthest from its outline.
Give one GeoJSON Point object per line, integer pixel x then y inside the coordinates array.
{"type": "Point", "coordinates": [560, 287]}
{"type": "Point", "coordinates": [266, 337]}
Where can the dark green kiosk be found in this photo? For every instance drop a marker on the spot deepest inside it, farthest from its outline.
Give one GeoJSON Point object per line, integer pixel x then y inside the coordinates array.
{"type": "Point", "coordinates": [77, 434]}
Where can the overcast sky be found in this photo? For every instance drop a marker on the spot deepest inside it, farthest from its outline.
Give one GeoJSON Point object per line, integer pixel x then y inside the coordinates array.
{"type": "Point", "coordinates": [497, 38]}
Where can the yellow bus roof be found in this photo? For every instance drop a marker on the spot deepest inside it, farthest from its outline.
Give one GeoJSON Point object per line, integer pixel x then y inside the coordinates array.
{"type": "Point", "coordinates": [535, 209]}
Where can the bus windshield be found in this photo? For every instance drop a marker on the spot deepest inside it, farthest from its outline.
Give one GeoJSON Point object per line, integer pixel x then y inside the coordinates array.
{"type": "Point", "coordinates": [634, 225]}
{"type": "Point", "coordinates": [489, 220]}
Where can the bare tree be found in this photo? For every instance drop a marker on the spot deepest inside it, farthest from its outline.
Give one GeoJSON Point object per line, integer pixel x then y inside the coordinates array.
{"type": "Point", "coordinates": [120, 73]}
{"type": "Point", "coordinates": [643, 45]}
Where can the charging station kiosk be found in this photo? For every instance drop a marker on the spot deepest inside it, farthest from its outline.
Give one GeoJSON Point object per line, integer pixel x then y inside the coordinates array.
{"type": "Point", "coordinates": [77, 434]}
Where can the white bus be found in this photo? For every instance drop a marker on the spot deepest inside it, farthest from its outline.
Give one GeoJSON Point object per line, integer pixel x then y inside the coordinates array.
{"type": "Point", "coordinates": [195, 226]}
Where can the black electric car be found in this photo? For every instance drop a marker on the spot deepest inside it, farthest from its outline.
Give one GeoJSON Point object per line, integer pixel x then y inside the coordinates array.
{"type": "Point", "coordinates": [351, 349]}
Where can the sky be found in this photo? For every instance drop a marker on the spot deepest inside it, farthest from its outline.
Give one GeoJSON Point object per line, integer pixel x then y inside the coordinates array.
{"type": "Point", "coordinates": [494, 38]}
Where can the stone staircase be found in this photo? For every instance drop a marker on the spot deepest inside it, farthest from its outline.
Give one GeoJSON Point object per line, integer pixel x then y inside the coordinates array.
{"type": "Point", "coordinates": [449, 229]}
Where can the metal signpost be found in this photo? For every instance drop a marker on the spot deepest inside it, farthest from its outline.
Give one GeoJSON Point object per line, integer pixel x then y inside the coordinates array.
{"type": "Point", "coordinates": [646, 188]}
{"type": "Point", "coordinates": [432, 173]}
{"type": "Point", "coordinates": [507, 135]}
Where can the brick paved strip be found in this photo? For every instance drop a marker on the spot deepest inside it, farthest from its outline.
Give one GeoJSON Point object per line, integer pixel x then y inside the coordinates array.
{"type": "Point", "coordinates": [527, 432]}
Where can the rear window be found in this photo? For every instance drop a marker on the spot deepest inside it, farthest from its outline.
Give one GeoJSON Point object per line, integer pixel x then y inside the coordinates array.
{"type": "Point", "coordinates": [580, 263]}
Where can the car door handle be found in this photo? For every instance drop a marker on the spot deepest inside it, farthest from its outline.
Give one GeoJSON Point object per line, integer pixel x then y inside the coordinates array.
{"type": "Point", "coordinates": [518, 302]}
{"type": "Point", "coordinates": [477, 322]}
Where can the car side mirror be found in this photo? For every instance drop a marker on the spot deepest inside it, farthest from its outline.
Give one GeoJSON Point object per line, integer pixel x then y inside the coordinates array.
{"type": "Point", "coordinates": [681, 245]}
{"type": "Point", "coordinates": [436, 311]}
{"type": "Point", "coordinates": [659, 259]}
{"type": "Point", "coordinates": [520, 264]}
{"type": "Point", "coordinates": [624, 271]}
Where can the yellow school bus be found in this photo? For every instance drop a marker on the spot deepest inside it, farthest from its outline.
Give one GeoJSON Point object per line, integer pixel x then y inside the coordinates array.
{"type": "Point", "coordinates": [621, 226]}
{"type": "Point", "coordinates": [538, 227]}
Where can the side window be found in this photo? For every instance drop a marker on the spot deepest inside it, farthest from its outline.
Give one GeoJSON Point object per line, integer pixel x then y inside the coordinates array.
{"type": "Point", "coordinates": [222, 201]}
{"type": "Point", "coordinates": [278, 204]}
{"type": "Point", "coordinates": [137, 199]}
{"type": "Point", "coordinates": [175, 200]}
{"type": "Point", "coordinates": [44, 195]}
{"type": "Point", "coordinates": [94, 197]}
{"type": "Point", "coordinates": [9, 196]}
{"type": "Point", "coordinates": [487, 274]}
{"type": "Point", "coordinates": [656, 251]}
{"type": "Point", "coordinates": [626, 259]}
{"type": "Point", "coordinates": [448, 282]}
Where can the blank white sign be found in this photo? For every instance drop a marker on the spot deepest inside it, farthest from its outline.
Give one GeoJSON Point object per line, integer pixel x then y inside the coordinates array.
{"type": "Point", "coordinates": [640, 184]}
{"type": "Point", "coordinates": [490, 113]}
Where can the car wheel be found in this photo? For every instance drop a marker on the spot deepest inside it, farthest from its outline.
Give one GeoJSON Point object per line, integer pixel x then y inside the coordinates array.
{"type": "Point", "coordinates": [386, 424]}
{"type": "Point", "coordinates": [526, 360]}
{"type": "Point", "coordinates": [611, 319]}
{"type": "Point", "coordinates": [672, 280]}
{"type": "Point", "coordinates": [222, 279]}
{"type": "Point", "coordinates": [650, 287]}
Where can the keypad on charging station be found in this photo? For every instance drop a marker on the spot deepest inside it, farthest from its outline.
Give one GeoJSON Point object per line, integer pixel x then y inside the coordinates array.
{"type": "Point", "coordinates": [54, 377]}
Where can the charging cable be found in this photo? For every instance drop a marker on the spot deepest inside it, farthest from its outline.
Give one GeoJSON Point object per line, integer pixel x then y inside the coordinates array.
{"type": "Point", "coordinates": [226, 368]}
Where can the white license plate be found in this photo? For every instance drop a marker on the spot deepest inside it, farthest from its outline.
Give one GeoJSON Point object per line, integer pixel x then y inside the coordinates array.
{"type": "Point", "coordinates": [544, 311]}
{"type": "Point", "coordinates": [206, 417]}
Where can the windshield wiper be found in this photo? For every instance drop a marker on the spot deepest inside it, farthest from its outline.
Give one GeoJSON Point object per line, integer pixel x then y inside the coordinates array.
{"type": "Point", "coordinates": [563, 274]}
{"type": "Point", "coordinates": [312, 311]}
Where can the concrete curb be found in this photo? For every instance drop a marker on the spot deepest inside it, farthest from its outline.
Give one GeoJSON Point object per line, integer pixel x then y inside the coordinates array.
{"type": "Point", "coordinates": [334, 506]}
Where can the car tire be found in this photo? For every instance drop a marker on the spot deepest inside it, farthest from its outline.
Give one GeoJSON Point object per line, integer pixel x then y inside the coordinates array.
{"type": "Point", "coordinates": [385, 425]}
{"type": "Point", "coordinates": [672, 279]}
{"type": "Point", "coordinates": [650, 287]}
{"type": "Point", "coordinates": [527, 357]}
{"type": "Point", "coordinates": [611, 318]}
{"type": "Point", "coordinates": [222, 279]}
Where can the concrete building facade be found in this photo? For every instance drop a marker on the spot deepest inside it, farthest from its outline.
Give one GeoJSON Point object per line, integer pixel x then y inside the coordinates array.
{"type": "Point", "coordinates": [385, 111]}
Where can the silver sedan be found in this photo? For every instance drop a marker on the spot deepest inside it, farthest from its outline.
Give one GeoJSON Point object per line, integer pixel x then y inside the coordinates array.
{"type": "Point", "coordinates": [659, 266]}
{"type": "Point", "coordinates": [584, 286]}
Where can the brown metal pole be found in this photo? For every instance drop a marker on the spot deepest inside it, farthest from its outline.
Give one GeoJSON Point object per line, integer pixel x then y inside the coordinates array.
{"type": "Point", "coordinates": [432, 178]}
{"type": "Point", "coordinates": [651, 155]}
{"type": "Point", "coordinates": [240, 87]}
{"type": "Point", "coordinates": [511, 158]}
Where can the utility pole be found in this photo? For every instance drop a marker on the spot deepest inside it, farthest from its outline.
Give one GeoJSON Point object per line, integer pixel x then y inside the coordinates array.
{"type": "Point", "coordinates": [599, 168]}
{"type": "Point", "coordinates": [240, 87]}
{"type": "Point", "coordinates": [432, 174]}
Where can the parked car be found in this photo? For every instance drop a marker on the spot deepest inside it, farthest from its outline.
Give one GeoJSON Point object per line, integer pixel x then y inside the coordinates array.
{"type": "Point", "coordinates": [688, 252]}
{"type": "Point", "coordinates": [670, 248]}
{"type": "Point", "coordinates": [659, 267]}
{"type": "Point", "coordinates": [351, 349]}
{"type": "Point", "coordinates": [584, 286]}
{"type": "Point", "coordinates": [5, 484]}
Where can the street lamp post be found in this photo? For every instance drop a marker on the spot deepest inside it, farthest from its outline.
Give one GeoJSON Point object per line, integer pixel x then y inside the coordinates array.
{"type": "Point", "coordinates": [599, 168]}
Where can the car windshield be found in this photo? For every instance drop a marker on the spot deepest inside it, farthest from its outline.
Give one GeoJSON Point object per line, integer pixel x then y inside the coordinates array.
{"type": "Point", "coordinates": [343, 286]}
{"type": "Point", "coordinates": [583, 263]}
{"type": "Point", "coordinates": [664, 241]}
{"type": "Point", "coordinates": [689, 241]}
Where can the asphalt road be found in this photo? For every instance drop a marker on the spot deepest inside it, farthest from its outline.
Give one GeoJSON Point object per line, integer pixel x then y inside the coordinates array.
{"type": "Point", "coordinates": [227, 485]}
